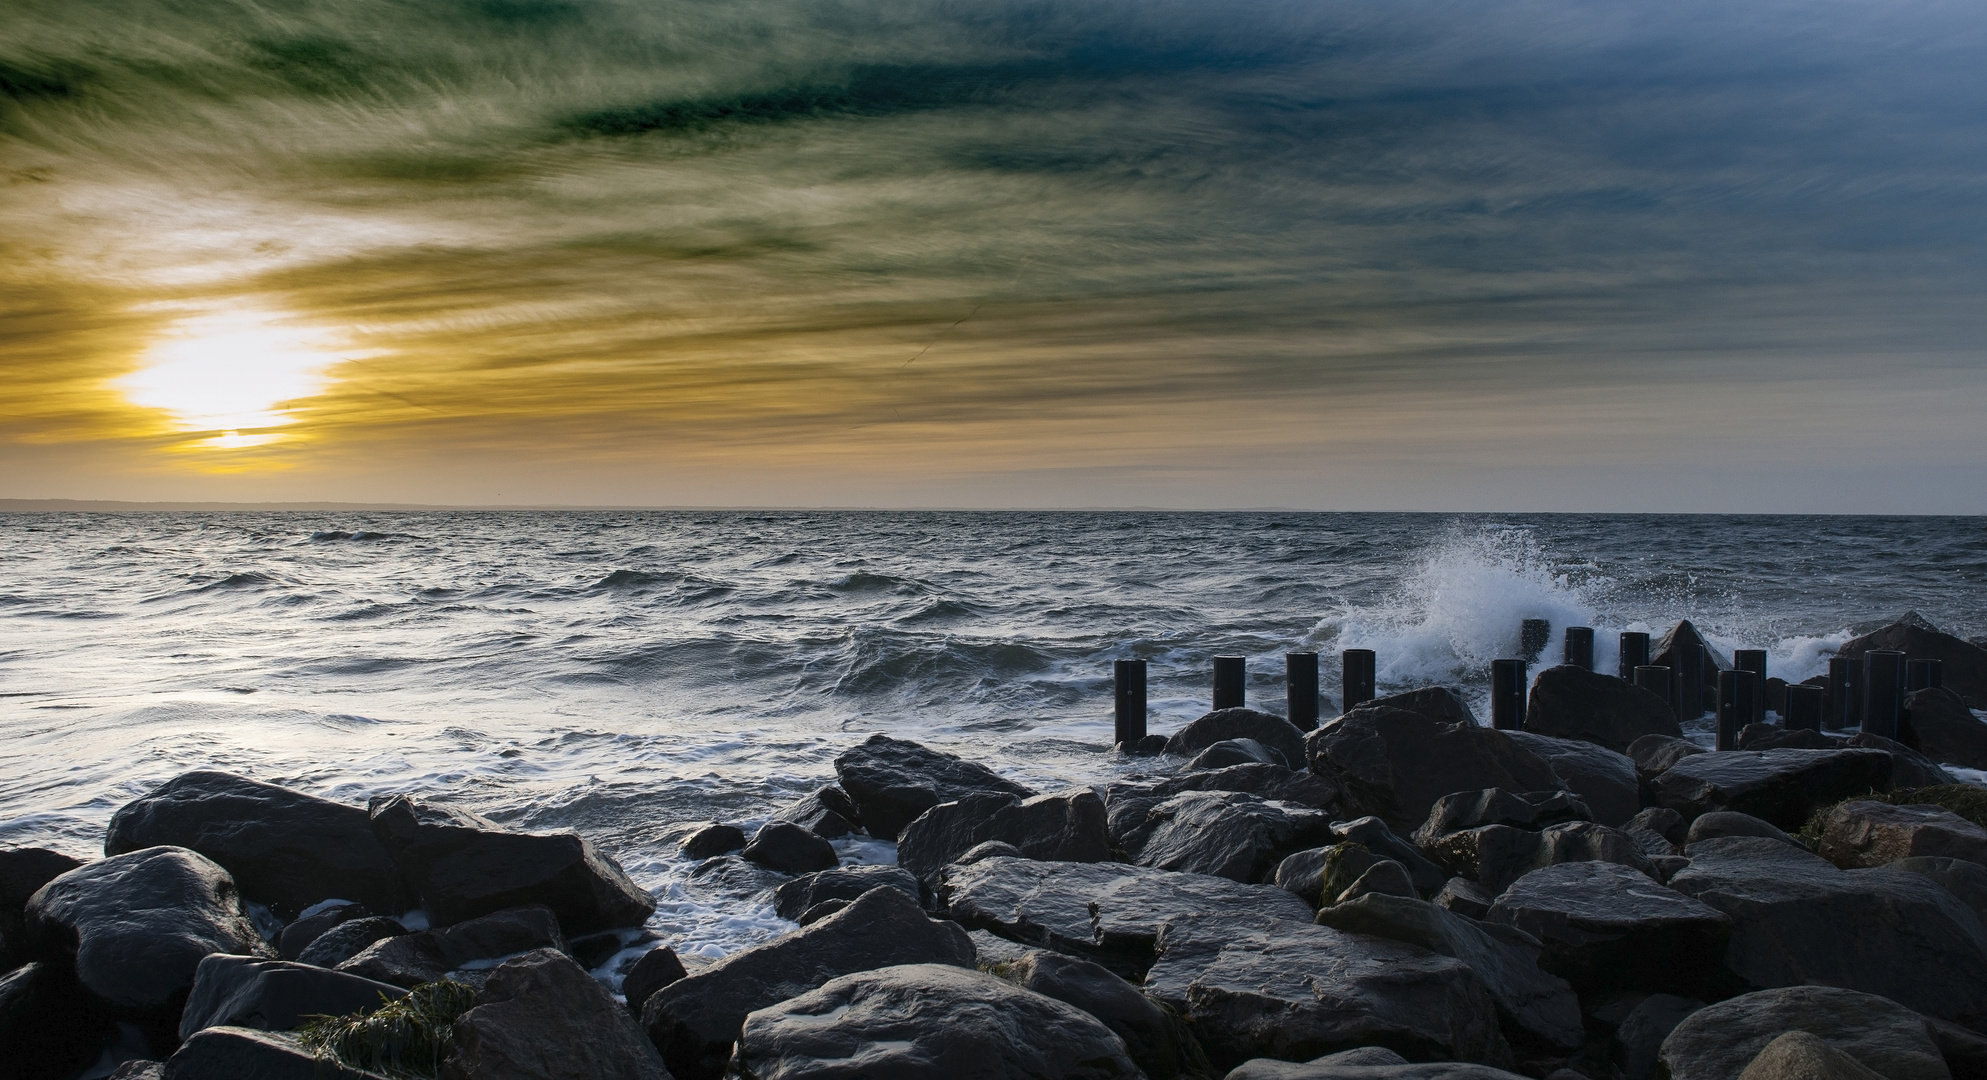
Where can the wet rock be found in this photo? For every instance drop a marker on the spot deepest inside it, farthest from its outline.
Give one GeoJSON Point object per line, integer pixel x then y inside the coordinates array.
{"type": "Point", "coordinates": [1226, 834]}
{"type": "Point", "coordinates": [1149, 746]}
{"type": "Point", "coordinates": [735, 876]}
{"type": "Point", "coordinates": [1569, 702]}
{"type": "Point", "coordinates": [1719, 1041]}
{"type": "Point", "coordinates": [1064, 826]}
{"type": "Point", "coordinates": [828, 811]}
{"type": "Point", "coordinates": [1375, 836]}
{"type": "Point", "coordinates": [1798, 1055]}
{"type": "Point", "coordinates": [1107, 912]}
{"type": "Point", "coordinates": [1667, 650]}
{"type": "Point", "coordinates": [1775, 737]}
{"type": "Point", "coordinates": [1662, 821]}
{"type": "Point", "coordinates": [1262, 987]}
{"type": "Point", "coordinates": [1364, 1055]}
{"type": "Point", "coordinates": [695, 1021]}
{"type": "Point", "coordinates": [138, 1069]}
{"type": "Point", "coordinates": [1858, 834]}
{"type": "Point", "coordinates": [992, 849]}
{"type": "Point", "coordinates": [1609, 927]}
{"type": "Point", "coordinates": [1465, 897]}
{"type": "Point", "coordinates": [1324, 1069]}
{"type": "Point", "coordinates": [892, 781]}
{"type": "Point", "coordinates": [1654, 754]}
{"type": "Point", "coordinates": [1908, 767]}
{"type": "Point", "coordinates": [1605, 781]}
{"type": "Point", "coordinates": [297, 936]}
{"type": "Point", "coordinates": [1912, 941]}
{"type": "Point", "coordinates": [1303, 873]}
{"type": "Point", "coordinates": [1439, 703]}
{"type": "Point", "coordinates": [841, 883]}
{"type": "Point", "coordinates": [1495, 806]}
{"type": "Point", "coordinates": [1272, 731]}
{"type": "Point", "coordinates": [1494, 856]}
{"type": "Point", "coordinates": [1151, 1037]}
{"type": "Point", "coordinates": [1235, 752]}
{"type": "Point", "coordinates": [1641, 1033]}
{"type": "Point", "coordinates": [712, 840]}
{"type": "Point", "coordinates": [1540, 1004]}
{"type": "Point", "coordinates": [656, 969]}
{"type": "Point", "coordinates": [284, 848]}
{"type": "Point", "coordinates": [1964, 664]}
{"type": "Point", "coordinates": [23, 871]}
{"type": "Point", "coordinates": [1395, 764]}
{"type": "Point", "coordinates": [1729, 823]}
{"type": "Point", "coordinates": [134, 928]}
{"type": "Point", "coordinates": [1966, 880]}
{"type": "Point", "coordinates": [346, 940]}
{"type": "Point", "coordinates": [928, 1022]}
{"type": "Point", "coordinates": [1263, 781]}
{"type": "Point", "coordinates": [1945, 730]}
{"type": "Point", "coordinates": [273, 995]}
{"type": "Point", "coordinates": [49, 1026]}
{"type": "Point", "coordinates": [1780, 786]}
{"type": "Point", "coordinates": [412, 959]}
{"type": "Point", "coordinates": [790, 849]}
{"type": "Point", "coordinates": [540, 1016]}
{"type": "Point", "coordinates": [232, 1053]}
{"type": "Point", "coordinates": [1383, 878]}
{"type": "Point", "coordinates": [993, 950]}
{"type": "Point", "coordinates": [1965, 1051]}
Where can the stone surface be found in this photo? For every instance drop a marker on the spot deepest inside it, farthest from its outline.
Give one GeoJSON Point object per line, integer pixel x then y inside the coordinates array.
{"type": "Point", "coordinates": [656, 969]}
{"type": "Point", "coordinates": [1908, 767]}
{"type": "Point", "coordinates": [1494, 856]}
{"type": "Point", "coordinates": [695, 1021]}
{"type": "Point", "coordinates": [1780, 786]}
{"type": "Point", "coordinates": [1235, 752]}
{"type": "Point", "coordinates": [1609, 927]}
{"type": "Point", "coordinates": [22, 872]}
{"type": "Point", "coordinates": [1945, 730]}
{"type": "Point", "coordinates": [346, 940]}
{"type": "Point", "coordinates": [841, 883]}
{"type": "Point", "coordinates": [1665, 652]}
{"type": "Point", "coordinates": [991, 949]}
{"type": "Point", "coordinates": [284, 848]}
{"type": "Point", "coordinates": [1438, 703]}
{"type": "Point", "coordinates": [411, 959]}
{"type": "Point", "coordinates": [1860, 834]}
{"type": "Point", "coordinates": [828, 811]}
{"type": "Point", "coordinates": [1384, 878]}
{"type": "Point", "coordinates": [891, 781]}
{"type": "Point", "coordinates": [790, 849]}
{"type": "Point", "coordinates": [1395, 764]}
{"type": "Point", "coordinates": [297, 936]}
{"type": "Point", "coordinates": [928, 1022]}
{"type": "Point", "coordinates": [1107, 912]}
{"type": "Point", "coordinates": [1321, 1069]}
{"type": "Point", "coordinates": [1495, 806]}
{"type": "Point", "coordinates": [1798, 919]}
{"type": "Point", "coordinates": [232, 1053]}
{"type": "Point", "coordinates": [1570, 702]}
{"type": "Point", "coordinates": [1605, 781]}
{"type": "Point", "coordinates": [1262, 781]}
{"type": "Point", "coordinates": [1966, 880]}
{"type": "Point", "coordinates": [1226, 834]}
{"type": "Point", "coordinates": [1464, 897]}
{"type": "Point", "coordinates": [712, 840]}
{"type": "Point", "coordinates": [1268, 729]}
{"type": "Point", "coordinates": [1151, 1037]}
{"type": "Point", "coordinates": [1964, 664]}
{"type": "Point", "coordinates": [273, 995]}
{"type": "Point", "coordinates": [1718, 1042]}
{"type": "Point", "coordinates": [1375, 836]}
{"type": "Point", "coordinates": [540, 1016]}
{"type": "Point", "coordinates": [1641, 1033]}
{"type": "Point", "coordinates": [1654, 754]}
{"type": "Point", "coordinates": [49, 1027]}
{"type": "Point", "coordinates": [1303, 873]}
{"type": "Point", "coordinates": [1662, 821]}
{"type": "Point", "coordinates": [1062, 826]}
{"type": "Point", "coordinates": [1731, 823]}
{"type": "Point", "coordinates": [1798, 1055]}
{"type": "Point", "coordinates": [1775, 737]}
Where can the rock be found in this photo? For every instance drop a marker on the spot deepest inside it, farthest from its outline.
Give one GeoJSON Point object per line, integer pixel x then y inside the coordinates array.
{"type": "Point", "coordinates": [49, 1026]}
{"type": "Point", "coordinates": [232, 1053]}
{"type": "Point", "coordinates": [1270, 730]}
{"type": "Point", "coordinates": [1149, 746]}
{"type": "Point", "coordinates": [1654, 754]}
{"type": "Point", "coordinates": [1908, 767]}
{"type": "Point", "coordinates": [1965, 1051]}
{"type": "Point", "coordinates": [1065, 826]}
{"type": "Point", "coordinates": [841, 883]}
{"type": "Point", "coordinates": [346, 940]}
{"type": "Point", "coordinates": [1263, 987]}
{"type": "Point", "coordinates": [1270, 1069]}
{"type": "Point", "coordinates": [134, 928]}
{"type": "Point", "coordinates": [1966, 880]}
{"type": "Point", "coordinates": [1235, 752]}
{"type": "Point", "coordinates": [1384, 878]}
{"type": "Point", "coordinates": [1608, 927]}
{"type": "Point", "coordinates": [462, 866]}
{"type": "Point", "coordinates": [712, 840]}
{"type": "Point", "coordinates": [1495, 806]}
{"type": "Point", "coordinates": [1858, 834]}
{"type": "Point", "coordinates": [1662, 821]}
{"type": "Point", "coordinates": [790, 849]}
{"type": "Point", "coordinates": [1439, 703]}
{"type": "Point", "coordinates": [1494, 856]}
{"type": "Point", "coordinates": [821, 911]}
{"type": "Point", "coordinates": [1604, 780]}
{"type": "Point", "coordinates": [1775, 737]}
{"type": "Point", "coordinates": [1151, 1037]}
{"type": "Point", "coordinates": [1395, 764]}
{"type": "Point", "coordinates": [1667, 650]}
{"type": "Point", "coordinates": [928, 1022]}
{"type": "Point", "coordinates": [541, 1015]}
{"type": "Point", "coordinates": [1641, 1033]}
{"type": "Point", "coordinates": [1730, 823]}
{"type": "Point", "coordinates": [695, 1021]}
{"type": "Point", "coordinates": [993, 950]}
{"type": "Point", "coordinates": [1798, 1055]}
{"type": "Point", "coordinates": [892, 781]}
{"type": "Point", "coordinates": [1718, 1042]}
{"type": "Point", "coordinates": [273, 995]}
{"type": "Point", "coordinates": [1540, 1004]}
{"type": "Point", "coordinates": [1569, 702]}
{"type": "Point", "coordinates": [1912, 941]}
{"type": "Point", "coordinates": [1373, 834]}
{"type": "Point", "coordinates": [1364, 1055]}
{"type": "Point", "coordinates": [1944, 729]}
{"type": "Point", "coordinates": [828, 811]}
{"type": "Point", "coordinates": [733, 876]}
{"type": "Point", "coordinates": [1107, 912]}
{"type": "Point", "coordinates": [1781, 786]}
{"type": "Point", "coordinates": [1465, 897]}
{"type": "Point", "coordinates": [1343, 865]}
{"type": "Point", "coordinates": [992, 849]}
{"type": "Point", "coordinates": [23, 871]}
{"type": "Point", "coordinates": [1963, 664]}
{"type": "Point", "coordinates": [297, 936]}
{"type": "Point", "coordinates": [1227, 834]}
{"type": "Point", "coordinates": [138, 1069]}
{"type": "Point", "coordinates": [656, 969]}
{"type": "Point", "coordinates": [412, 959]}
{"type": "Point", "coordinates": [1303, 873]}
{"type": "Point", "coordinates": [1262, 781]}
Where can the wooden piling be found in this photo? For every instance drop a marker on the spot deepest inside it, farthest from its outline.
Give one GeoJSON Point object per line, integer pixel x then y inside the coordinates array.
{"type": "Point", "coordinates": [1883, 691]}
{"type": "Point", "coordinates": [1843, 707]}
{"type": "Point", "coordinates": [1660, 681]}
{"type": "Point", "coordinates": [1579, 648]}
{"type": "Point", "coordinates": [1739, 691]}
{"type": "Point", "coordinates": [1507, 694]}
{"type": "Point", "coordinates": [1300, 676]}
{"type": "Point", "coordinates": [1128, 693]}
{"type": "Point", "coordinates": [1754, 660]}
{"type": "Point", "coordinates": [1804, 706]}
{"type": "Point", "coordinates": [1634, 654]}
{"type": "Point", "coordinates": [1923, 674]}
{"type": "Point", "coordinates": [1230, 678]}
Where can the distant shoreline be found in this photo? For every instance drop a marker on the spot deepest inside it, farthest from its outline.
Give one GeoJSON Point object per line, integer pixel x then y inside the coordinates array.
{"type": "Point", "coordinates": [112, 506]}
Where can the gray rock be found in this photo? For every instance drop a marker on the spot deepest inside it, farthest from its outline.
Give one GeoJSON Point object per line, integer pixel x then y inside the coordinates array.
{"type": "Point", "coordinates": [1439, 703]}
{"type": "Point", "coordinates": [1221, 725]}
{"type": "Point", "coordinates": [1364, 1055]}
{"type": "Point", "coordinates": [1913, 941]}
{"type": "Point", "coordinates": [892, 781]}
{"type": "Point", "coordinates": [656, 969]}
{"type": "Point", "coordinates": [993, 950]}
{"type": "Point", "coordinates": [790, 849]}
{"type": "Point", "coordinates": [1495, 806]}
{"type": "Point", "coordinates": [346, 940]}
{"type": "Point", "coordinates": [138, 1069]}
{"type": "Point", "coordinates": [1263, 781]}
{"type": "Point", "coordinates": [841, 883]}
{"type": "Point", "coordinates": [1270, 1069]}
{"type": "Point", "coordinates": [542, 1017]}
{"type": "Point", "coordinates": [1731, 823]}
{"type": "Point", "coordinates": [1966, 880]}
{"type": "Point", "coordinates": [1653, 755]}
{"type": "Point", "coordinates": [695, 1021]}
{"type": "Point", "coordinates": [1569, 702]}
{"type": "Point", "coordinates": [1775, 737]}
{"type": "Point", "coordinates": [1605, 781]}
{"type": "Point", "coordinates": [928, 1022]}
{"type": "Point", "coordinates": [1963, 663]}
{"type": "Point", "coordinates": [412, 959]}
{"type": "Point", "coordinates": [1668, 650]}
{"type": "Point", "coordinates": [1798, 1055]}
{"type": "Point", "coordinates": [1303, 873]}
{"type": "Point", "coordinates": [1373, 834]}
{"type": "Point", "coordinates": [1783, 787]}
{"type": "Point", "coordinates": [1107, 912]}
{"type": "Point", "coordinates": [1908, 767]}
{"type": "Point", "coordinates": [1718, 1042]}
{"type": "Point", "coordinates": [1235, 752]}
{"type": "Point", "coordinates": [1064, 826]}
{"type": "Point", "coordinates": [1384, 878]}
{"type": "Point", "coordinates": [231, 1053]}
{"type": "Point", "coordinates": [712, 840]}
{"type": "Point", "coordinates": [828, 811]}
{"type": "Point", "coordinates": [1944, 729]}
{"type": "Point", "coordinates": [1227, 834]}
{"type": "Point", "coordinates": [23, 871]}
{"type": "Point", "coordinates": [1540, 1004]}
{"type": "Point", "coordinates": [1395, 764]}
{"type": "Point", "coordinates": [1859, 834]}
{"type": "Point", "coordinates": [1609, 927]}
{"type": "Point", "coordinates": [1641, 1033]}
{"type": "Point", "coordinates": [1494, 856]}
{"type": "Point", "coordinates": [1662, 821]}
{"type": "Point", "coordinates": [273, 995]}
{"type": "Point", "coordinates": [297, 936]}
{"type": "Point", "coordinates": [734, 876]}
{"type": "Point", "coordinates": [462, 866]}
{"type": "Point", "coordinates": [1465, 897]}
{"type": "Point", "coordinates": [992, 849]}
{"type": "Point", "coordinates": [49, 1027]}
{"type": "Point", "coordinates": [1151, 1037]}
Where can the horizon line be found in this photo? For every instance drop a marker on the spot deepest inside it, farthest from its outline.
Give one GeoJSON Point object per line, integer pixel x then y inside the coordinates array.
{"type": "Point", "coordinates": [114, 506]}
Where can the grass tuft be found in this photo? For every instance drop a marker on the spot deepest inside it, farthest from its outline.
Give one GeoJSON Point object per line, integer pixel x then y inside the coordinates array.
{"type": "Point", "coordinates": [405, 1038]}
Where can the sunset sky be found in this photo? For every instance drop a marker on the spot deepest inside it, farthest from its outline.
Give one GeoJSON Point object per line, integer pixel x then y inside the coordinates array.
{"type": "Point", "coordinates": [1657, 255]}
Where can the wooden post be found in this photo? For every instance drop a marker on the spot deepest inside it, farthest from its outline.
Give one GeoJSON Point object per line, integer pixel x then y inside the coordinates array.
{"type": "Point", "coordinates": [1532, 637]}
{"type": "Point", "coordinates": [1300, 677]}
{"type": "Point", "coordinates": [1689, 698]}
{"type": "Point", "coordinates": [1356, 677]}
{"type": "Point", "coordinates": [1923, 674]}
{"type": "Point", "coordinates": [1634, 654]}
{"type": "Point", "coordinates": [1804, 706]}
{"type": "Point", "coordinates": [1754, 660]}
{"type": "Point", "coordinates": [1657, 680]}
{"type": "Point", "coordinates": [1738, 698]}
{"type": "Point", "coordinates": [1579, 648]}
{"type": "Point", "coordinates": [1507, 694]}
{"type": "Point", "coordinates": [1128, 693]}
{"type": "Point", "coordinates": [1230, 675]}
{"type": "Point", "coordinates": [1844, 706]}
{"type": "Point", "coordinates": [1883, 691]}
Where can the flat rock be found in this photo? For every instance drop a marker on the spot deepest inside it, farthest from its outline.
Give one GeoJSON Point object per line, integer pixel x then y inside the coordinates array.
{"type": "Point", "coordinates": [790, 848]}
{"type": "Point", "coordinates": [841, 883]}
{"type": "Point", "coordinates": [273, 995]}
{"type": "Point", "coordinates": [828, 811]}
{"type": "Point", "coordinates": [1395, 764]}
{"type": "Point", "coordinates": [462, 866]}
{"type": "Point", "coordinates": [412, 959]}
{"type": "Point", "coordinates": [1775, 737]}
{"type": "Point", "coordinates": [1063, 826]}
{"type": "Point", "coordinates": [1494, 806]}
{"type": "Point", "coordinates": [1440, 703]}
{"type": "Point", "coordinates": [928, 1022]}
{"type": "Point", "coordinates": [1152, 1038]}
{"type": "Point", "coordinates": [1945, 729]}
{"type": "Point", "coordinates": [1719, 1041]}
{"type": "Point", "coordinates": [1610, 927]}
{"type": "Point", "coordinates": [891, 781]}
{"type": "Point", "coordinates": [1798, 1055]}
{"type": "Point", "coordinates": [1268, 729]}
{"type": "Point", "coordinates": [1494, 856]}
{"type": "Point", "coordinates": [1860, 834]}
{"type": "Point", "coordinates": [540, 1016]}
{"type": "Point", "coordinates": [1227, 834]}
{"type": "Point", "coordinates": [49, 1026]}
{"type": "Point", "coordinates": [232, 1053]}
{"type": "Point", "coordinates": [1780, 786]}
{"type": "Point", "coordinates": [1604, 780]}
{"type": "Point", "coordinates": [1797, 919]}
{"type": "Point", "coordinates": [1464, 897]}
{"type": "Point", "coordinates": [1963, 664]}
{"type": "Point", "coordinates": [284, 848]}
{"type": "Point", "coordinates": [1569, 702]}
{"type": "Point", "coordinates": [696, 1020]}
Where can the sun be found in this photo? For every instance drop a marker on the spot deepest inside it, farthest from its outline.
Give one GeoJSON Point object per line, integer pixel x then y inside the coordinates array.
{"type": "Point", "coordinates": [231, 372]}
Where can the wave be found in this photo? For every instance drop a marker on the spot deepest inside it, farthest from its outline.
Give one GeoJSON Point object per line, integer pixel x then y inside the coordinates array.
{"type": "Point", "coordinates": [246, 581]}
{"type": "Point", "coordinates": [337, 535]}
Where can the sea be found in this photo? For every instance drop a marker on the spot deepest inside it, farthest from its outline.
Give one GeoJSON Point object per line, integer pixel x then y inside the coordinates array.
{"type": "Point", "coordinates": [634, 675]}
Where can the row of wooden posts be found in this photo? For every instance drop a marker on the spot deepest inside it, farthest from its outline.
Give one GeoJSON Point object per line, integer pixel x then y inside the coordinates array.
{"type": "Point", "coordinates": [1864, 692]}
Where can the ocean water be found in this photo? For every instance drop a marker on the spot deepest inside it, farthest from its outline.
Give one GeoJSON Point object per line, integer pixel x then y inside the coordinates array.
{"type": "Point", "coordinates": [632, 675]}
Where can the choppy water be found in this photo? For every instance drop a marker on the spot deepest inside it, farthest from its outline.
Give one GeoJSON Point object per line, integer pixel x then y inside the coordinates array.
{"type": "Point", "coordinates": [629, 674]}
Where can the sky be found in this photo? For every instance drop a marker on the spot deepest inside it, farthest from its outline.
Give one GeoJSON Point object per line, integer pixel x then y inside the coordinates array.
{"type": "Point", "coordinates": [1609, 256]}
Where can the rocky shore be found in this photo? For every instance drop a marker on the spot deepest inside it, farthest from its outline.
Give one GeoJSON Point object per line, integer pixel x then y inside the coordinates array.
{"type": "Point", "coordinates": [1399, 894]}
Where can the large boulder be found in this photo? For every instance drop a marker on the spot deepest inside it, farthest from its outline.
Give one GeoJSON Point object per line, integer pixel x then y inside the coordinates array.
{"type": "Point", "coordinates": [828, 811]}
{"type": "Point", "coordinates": [23, 871]}
{"type": "Point", "coordinates": [1395, 764]}
{"type": "Point", "coordinates": [1668, 649]}
{"type": "Point", "coordinates": [1464, 810]}
{"type": "Point", "coordinates": [462, 866]}
{"type": "Point", "coordinates": [1797, 919]}
{"type": "Point", "coordinates": [1908, 767]}
{"type": "Point", "coordinates": [841, 883]}
{"type": "Point", "coordinates": [1107, 912]}
{"type": "Point", "coordinates": [273, 995]}
{"type": "Point", "coordinates": [1220, 725]}
{"type": "Point", "coordinates": [1226, 834]}
{"type": "Point", "coordinates": [1798, 1055]}
{"type": "Point", "coordinates": [1719, 1041]}
{"type": "Point", "coordinates": [540, 1016]}
{"type": "Point", "coordinates": [1864, 833]}
{"type": "Point", "coordinates": [234, 1053]}
{"type": "Point", "coordinates": [790, 848]}
{"type": "Point", "coordinates": [1640, 1034]}
{"type": "Point", "coordinates": [1605, 781]}
{"type": "Point", "coordinates": [1963, 664]}
{"type": "Point", "coordinates": [1063, 826]}
{"type": "Point", "coordinates": [1780, 786]}
{"type": "Point", "coordinates": [1719, 823]}
{"type": "Point", "coordinates": [285, 849]}
{"type": "Point", "coordinates": [1152, 1038]}
{"type": "Point", "coordinates": [1944, 729]}
{"type": "Point", "coordinates": [1494, 856]}
{"type": "Point", "coordinates": [695, 1020]}
{"type": "Point", "coordinates": [891, 781]}
{"type": "Point", "coordinates": [1964, 879]}
{"type": "Point", "coordinates": [49, 1025]}
{"type": "Point", "coordinates": [412, 959]}
{"type": "Point", "coordinates": [1569, 702]}
{"type": "Point", "coordinates": [1438, 703]}
{"type": "Point", "coordinates": [1609, 927]}
{"type": "Point", "coordinates": [134, 928]}
{"type": "Point", "coordinates": [1265, 987]}
{"type": "Point", "coordinates": [928, 1022]}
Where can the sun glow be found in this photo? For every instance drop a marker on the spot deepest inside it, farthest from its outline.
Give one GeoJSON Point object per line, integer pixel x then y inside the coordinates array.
{"type": "Point", "coordinates": [231, 372]}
